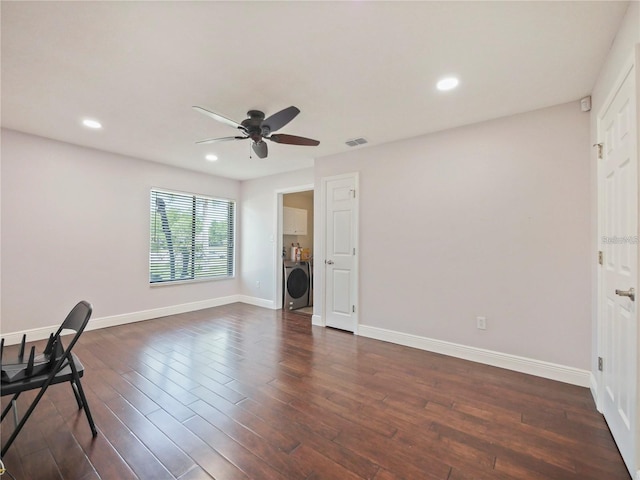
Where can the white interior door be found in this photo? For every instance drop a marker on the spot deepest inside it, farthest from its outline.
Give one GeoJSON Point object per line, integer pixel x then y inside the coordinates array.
{"type": "Point", "coordinates": [618, 172]}
{"type": "Point", "coordinates": [341, 225]}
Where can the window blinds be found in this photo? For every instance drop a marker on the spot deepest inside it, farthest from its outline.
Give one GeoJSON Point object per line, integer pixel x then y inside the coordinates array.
{"type": "Point", "coordinates": [191, 238]}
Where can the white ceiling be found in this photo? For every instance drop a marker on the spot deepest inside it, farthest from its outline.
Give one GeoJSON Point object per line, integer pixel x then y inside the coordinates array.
{"type": "Point", "coordinates": [353, 68]}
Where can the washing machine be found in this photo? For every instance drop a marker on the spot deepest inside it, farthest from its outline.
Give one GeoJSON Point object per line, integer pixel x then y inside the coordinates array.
{"type": "Point", "coordinates": [296, 284]}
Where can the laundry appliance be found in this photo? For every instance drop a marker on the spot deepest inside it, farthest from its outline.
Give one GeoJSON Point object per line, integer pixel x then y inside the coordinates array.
{"type": "Point", "coordinates": [296, 284]}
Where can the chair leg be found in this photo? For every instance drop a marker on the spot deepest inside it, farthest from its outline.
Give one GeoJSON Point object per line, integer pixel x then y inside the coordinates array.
{"type": "Point", "coordinates": [24, 419]}
{"type": "Point", "coordinates": [9, 405]}
{"type": "Point", "coordinates": [75, 392]}
{"type": "Point", "coordinates": [83, 399]}
{"type": "Point", "coordinates": [86, 409]}
{"type": "Point", "coordinates": [14, 404]}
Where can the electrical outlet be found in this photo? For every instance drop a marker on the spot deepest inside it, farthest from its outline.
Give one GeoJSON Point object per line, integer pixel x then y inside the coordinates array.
{"type": "Point", "coordinates": [481, 323]}
{"type": "Point", "coordinates": [258, 283]}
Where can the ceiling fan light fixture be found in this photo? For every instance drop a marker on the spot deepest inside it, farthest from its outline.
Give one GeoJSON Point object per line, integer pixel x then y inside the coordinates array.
{"type": "Point", "coordinates": [211, 157]}
{"type": "Point", "coordinates": [90, 123]}
{"type": "Point", "coordinates": [447, 83]}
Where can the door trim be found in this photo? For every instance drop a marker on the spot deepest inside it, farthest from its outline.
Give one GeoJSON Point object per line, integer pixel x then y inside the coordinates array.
{"type": "Point", "coordinates": [320, 249]}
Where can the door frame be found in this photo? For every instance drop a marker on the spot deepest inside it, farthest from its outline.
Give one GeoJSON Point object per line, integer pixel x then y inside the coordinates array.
{"type": "Point", "coordinates": [278, 228]}
{"type": "Point", "coordinates": [632, 61]}
{"type": "Point", "coordinates": [319, 317]}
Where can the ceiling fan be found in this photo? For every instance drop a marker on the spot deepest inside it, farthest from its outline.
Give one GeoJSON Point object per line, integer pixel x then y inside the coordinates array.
{"type": "Point", "coordinates": [257, 128]}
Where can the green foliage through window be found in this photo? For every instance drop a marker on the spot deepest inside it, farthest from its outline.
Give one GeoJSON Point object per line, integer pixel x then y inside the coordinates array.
{"type": "Point", "coordinates": [192, 237]}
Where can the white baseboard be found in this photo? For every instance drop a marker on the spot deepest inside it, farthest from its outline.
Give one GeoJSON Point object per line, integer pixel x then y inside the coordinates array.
{"type": "Point", "coordinates": [113, 320]}
{"type": "Point", "coordinates": [539, 368]}
{"type": "Point", "coordinates": [593, 386]}
{"type": "Point", "coordinates": [258, 302]}
{"type": "Point", "coordinates": [562, 373]}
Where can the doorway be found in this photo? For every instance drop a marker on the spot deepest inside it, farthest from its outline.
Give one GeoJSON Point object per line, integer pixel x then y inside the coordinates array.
{"type": "Point", "coordinates": [296, 249]}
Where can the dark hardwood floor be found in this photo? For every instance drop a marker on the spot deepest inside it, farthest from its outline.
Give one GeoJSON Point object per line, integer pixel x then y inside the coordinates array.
{"type": "Point", "coordinates": [241, 392]}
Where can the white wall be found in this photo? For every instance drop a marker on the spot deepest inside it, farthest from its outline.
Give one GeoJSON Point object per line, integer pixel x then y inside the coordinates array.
{"type": "Point", "coordinates": [75, 225]}
{"type": "Point", "coordinates": [490, 219]}
{"type": "Point", "coordinates": [260, 258]}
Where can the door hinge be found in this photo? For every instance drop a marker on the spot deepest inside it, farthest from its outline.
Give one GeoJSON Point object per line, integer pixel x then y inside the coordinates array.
{"type": "Point", "coordinates": [600, 363]}
{"type": "Point", "coordinates": [600, 146]}
{"type": "Point", "coordinates": [353, 308]}
{"type": "Point", "coordinates": [600, 257]}
{"type": "Point", "coordinates": [354, 250]}
{"type": "Point", "coordinates": [353, 191]}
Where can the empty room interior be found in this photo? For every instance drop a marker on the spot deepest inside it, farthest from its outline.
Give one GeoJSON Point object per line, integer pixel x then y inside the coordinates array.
{"type": "Point", "coordinates": [320, 240]}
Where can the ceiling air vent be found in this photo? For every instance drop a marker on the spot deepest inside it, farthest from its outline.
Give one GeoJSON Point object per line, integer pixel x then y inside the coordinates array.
{"type": "Point", "coordinates": [355, 142]}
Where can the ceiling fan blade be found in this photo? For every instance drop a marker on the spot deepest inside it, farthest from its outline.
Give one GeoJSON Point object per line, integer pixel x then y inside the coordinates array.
{"type": "Point", "coordinates": [260, 148]}
{"type": "Point", "coordinates": [280, 119]}
{"type": "Point", "coordinates": [293, 140]}
{"type": "Point", "coordinates": [219, 118]}
{"type": "Point", "coordinates": [222, 139]}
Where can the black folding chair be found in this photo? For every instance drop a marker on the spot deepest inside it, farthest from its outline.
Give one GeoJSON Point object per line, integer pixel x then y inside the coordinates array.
{"type": "Point", "coordinates": [55, 365]}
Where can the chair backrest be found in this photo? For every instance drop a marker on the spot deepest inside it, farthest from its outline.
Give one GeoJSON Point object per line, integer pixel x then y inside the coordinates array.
{"type": "Point", "coordinates": [55, 352]}
{"type": "Point", "coordinates": [78, 317]}
{"type": "Point", "coordinates": [76, 320]}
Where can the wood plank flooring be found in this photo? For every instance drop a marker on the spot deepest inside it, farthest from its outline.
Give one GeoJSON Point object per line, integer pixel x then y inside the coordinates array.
{"type": "Point", "coordinates": [241, 392]}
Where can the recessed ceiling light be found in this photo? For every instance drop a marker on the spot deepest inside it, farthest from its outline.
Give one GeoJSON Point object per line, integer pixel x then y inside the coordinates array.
{"type": "Point", "coordinates": [87, 122]}
{"type": "Point", "coordinates": [211, 158]}
{"type": "Point", "coordinates": [448, 83]}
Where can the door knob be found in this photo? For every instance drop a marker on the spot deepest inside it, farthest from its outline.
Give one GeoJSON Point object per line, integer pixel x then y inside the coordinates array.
{"type": "Point", "coordinates": [631, 293]}
{"type": "Point", "coordinates": [329, 262]}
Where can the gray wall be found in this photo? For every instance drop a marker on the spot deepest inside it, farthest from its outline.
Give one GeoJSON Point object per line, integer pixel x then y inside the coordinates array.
{"type": "Point", "coordinates": [75, 225]}
{"type": "Point", "coordinates": [491, 219]}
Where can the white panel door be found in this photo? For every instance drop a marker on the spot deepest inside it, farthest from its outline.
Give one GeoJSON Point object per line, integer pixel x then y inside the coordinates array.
{"type": "Point", "coordinates": [340, 254]}
{"type": "Point", "coordinates": [618, 171]}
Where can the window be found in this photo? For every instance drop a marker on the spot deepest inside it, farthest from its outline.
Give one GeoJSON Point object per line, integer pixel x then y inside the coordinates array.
{"type": "Point", "coordinates": [192, 237]}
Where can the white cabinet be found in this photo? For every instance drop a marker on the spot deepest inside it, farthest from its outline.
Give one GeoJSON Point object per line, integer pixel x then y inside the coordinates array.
{"type": "Point", "coordinates": [294, 221]}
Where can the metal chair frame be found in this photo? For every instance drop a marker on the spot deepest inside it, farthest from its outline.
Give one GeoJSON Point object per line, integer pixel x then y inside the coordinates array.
{"type": "Point", "coordinates": [64, 366]}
